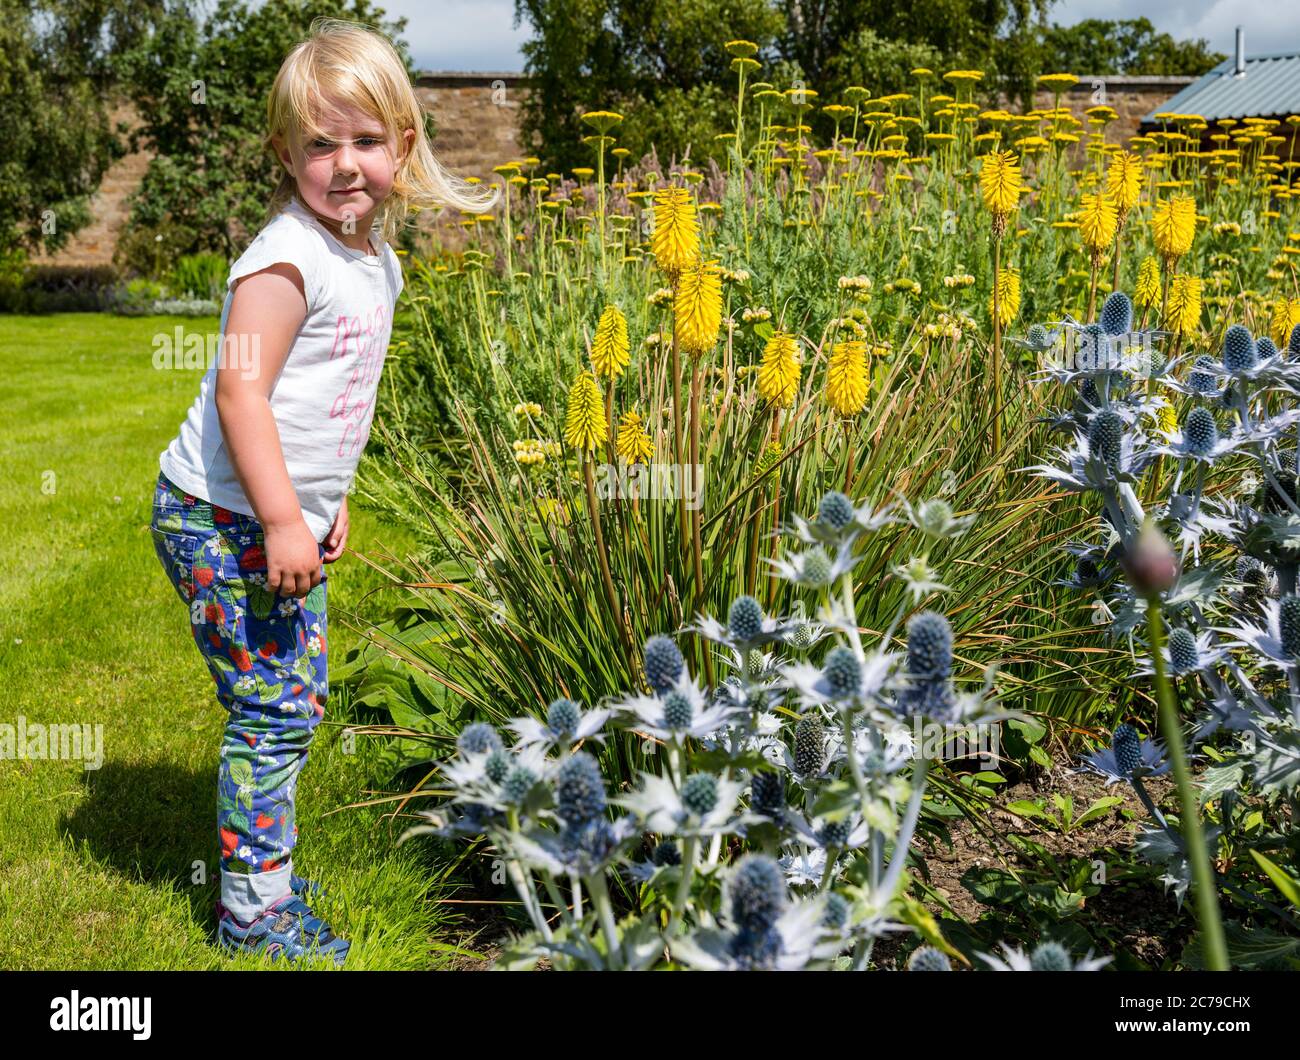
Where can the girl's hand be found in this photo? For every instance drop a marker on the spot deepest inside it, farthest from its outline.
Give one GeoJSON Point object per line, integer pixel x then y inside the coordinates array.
{"type": "Point", "coordinates": [292, 558]}
{"type": "Point", "coordinates": [337, 538]}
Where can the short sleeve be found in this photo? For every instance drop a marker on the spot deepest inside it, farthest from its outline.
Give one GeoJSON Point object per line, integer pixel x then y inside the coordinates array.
{"type": "Point", "coordinates": [283, 240]}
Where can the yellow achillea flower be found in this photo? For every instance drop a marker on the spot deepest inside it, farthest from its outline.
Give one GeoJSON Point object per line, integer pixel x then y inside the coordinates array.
{"type": "Point", "coordinates": [697, 311]}
{"type": "Point", "coordinates": [1000, 186]}
{"type": "Point", "coordinates": [1124, 180]}
{"type": "Point", "coordinates": [1097, 223]}
{"type": "Point", "coordinates": [675, 241]}
{"type": "Point", "coordinates": [1008, 283]}
{"type": "Point", "coordinates": [1173, 225]}
{"type": "Point", "coordinates": [1147, 291]}
{"type": "Point", "coordinates": [1285, 316]}
{"type": "Point", "coordinates": [633, 443]}
{"type": "Point", "coordinates": [778, 375]}
{"type": "Point", "coordinates": [846, 377]}
{"type": "Point", "coordinates": [609, 350]}
{"type": "Point", "coordinates": [1184, 314]}
{"type": "Point", "coordinates": [584, 422]}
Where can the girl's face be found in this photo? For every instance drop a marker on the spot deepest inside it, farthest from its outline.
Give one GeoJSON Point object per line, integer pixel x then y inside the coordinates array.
{"type": "Point", "coordinates": [345, 172]}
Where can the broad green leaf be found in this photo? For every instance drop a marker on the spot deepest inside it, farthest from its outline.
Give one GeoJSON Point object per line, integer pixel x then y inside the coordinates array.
{"type": "Point", "coordinates": [1288, 885]}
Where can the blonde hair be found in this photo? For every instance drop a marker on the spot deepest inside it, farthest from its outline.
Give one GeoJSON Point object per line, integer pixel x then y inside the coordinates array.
{"type": "Point", "coordinates": [348, 63]}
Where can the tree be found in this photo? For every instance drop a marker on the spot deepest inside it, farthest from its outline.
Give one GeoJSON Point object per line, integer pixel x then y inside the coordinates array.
{"type": "Point", "coordinates": [56, 134]}
{"type": "Point", "coordinates": [1129, 46]}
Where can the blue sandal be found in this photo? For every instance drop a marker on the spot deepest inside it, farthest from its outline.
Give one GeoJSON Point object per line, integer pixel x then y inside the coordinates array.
{"type": "Point", "coordinates": [288, 929]}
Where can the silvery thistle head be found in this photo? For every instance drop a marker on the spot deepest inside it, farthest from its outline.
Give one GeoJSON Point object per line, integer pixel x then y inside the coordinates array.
{"type": "Point", "coordinates": [1048, 957]}
{"type": "Point", "coordinates": [936, 520]}
{"type": "Point", "coordinates": [1108, 454]}
{"type": "Point", "coordinates": [1127, 757]}
{"type": "Point", "coordinates": [1275, 638]}
{"type": "Point", "coordinates": [760, 926]}
{"type": "Point", "coordinates": [839, 523]}
{"type": "Point", "coordinates": [706, 805]}
{"type": "Point", "coordinates": [747, 628]}
{"type": "Point", "coordinates": [566, 724]}
{"type": "Point", "coordinates": [1184, 653]}
{"type": "Point", "coordinates": [679, 712]}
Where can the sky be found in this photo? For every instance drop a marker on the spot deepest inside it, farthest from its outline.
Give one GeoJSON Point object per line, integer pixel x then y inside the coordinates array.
{"type": "Point", "coordinates": [479, 34]}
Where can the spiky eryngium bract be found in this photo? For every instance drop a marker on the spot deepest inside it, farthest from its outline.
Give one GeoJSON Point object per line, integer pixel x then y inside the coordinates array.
{"type": "Point", "coordinates": [1201, 378]}
{"type": "Point", "coordinates": [497, 766]}
{"type": "Point", "coordinates": [518, 783]}
{"type": "Point", "coordinates": [664, 664]}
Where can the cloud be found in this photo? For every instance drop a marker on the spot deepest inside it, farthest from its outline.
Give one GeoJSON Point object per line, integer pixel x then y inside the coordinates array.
{"type": "Point", "coordinates": [461, 34]}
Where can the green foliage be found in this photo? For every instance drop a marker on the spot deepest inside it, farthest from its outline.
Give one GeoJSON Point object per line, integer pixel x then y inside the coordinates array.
{"type": "Point", "coordinates": [1125, 46]}
{"type": "Point", "coordinates": [56, 137]}
{"type": "Point", "coordinates": [199, 276]}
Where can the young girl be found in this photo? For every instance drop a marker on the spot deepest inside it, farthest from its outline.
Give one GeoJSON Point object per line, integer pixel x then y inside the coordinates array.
{"type": "Point", "coordinates": [251, 499]}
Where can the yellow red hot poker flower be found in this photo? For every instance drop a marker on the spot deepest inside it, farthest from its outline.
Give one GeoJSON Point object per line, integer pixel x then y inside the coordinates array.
{"type": "Point", "coordinates": [584, 422]}
{"type": "Point", "coordinates": [778, 374]}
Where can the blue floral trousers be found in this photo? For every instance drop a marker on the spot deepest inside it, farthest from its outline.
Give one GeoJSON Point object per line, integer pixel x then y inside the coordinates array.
{"type": "Point", "coordinates": [267, 656]}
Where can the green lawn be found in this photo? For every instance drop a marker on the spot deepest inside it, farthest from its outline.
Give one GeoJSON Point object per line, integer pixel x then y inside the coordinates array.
{"type": "Point", "coordinates": [98, 865]}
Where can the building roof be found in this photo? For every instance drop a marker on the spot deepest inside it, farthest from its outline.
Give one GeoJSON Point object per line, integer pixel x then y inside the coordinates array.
{"type": "Point", "coordinates": [1270, 87]}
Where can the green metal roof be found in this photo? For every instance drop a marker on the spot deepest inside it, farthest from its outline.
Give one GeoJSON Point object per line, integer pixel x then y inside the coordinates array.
{"type": "Point", "coordinates": [1270, 87]}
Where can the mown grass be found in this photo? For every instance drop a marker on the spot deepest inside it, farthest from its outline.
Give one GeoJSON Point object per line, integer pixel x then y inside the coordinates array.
{"type": "Point", "coordinates": [116, 867]}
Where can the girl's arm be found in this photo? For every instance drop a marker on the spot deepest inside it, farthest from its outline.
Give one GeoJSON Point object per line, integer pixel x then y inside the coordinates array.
{"type": "Point", "coordinates": [266, 311]}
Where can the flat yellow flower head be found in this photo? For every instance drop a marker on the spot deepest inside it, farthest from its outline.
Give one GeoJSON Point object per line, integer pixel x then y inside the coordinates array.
{"type": "Point", "coordinates": [778, 374]}
{"type": "Point", "coordinates": [609, 349]}
{"type": "Point", "coordinates": [675, 241]}
{"type": "Point", "coordinates": [584, 422]}
{"type": "Point", "coordinates": [846, 377]}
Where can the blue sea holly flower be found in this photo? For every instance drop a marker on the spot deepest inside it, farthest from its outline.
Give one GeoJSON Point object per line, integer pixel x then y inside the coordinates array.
{"type": "Point", "coordinates": [1275, 639]}
{"type": "Point", "coordinates": [1265, 348]}
{"type": "Point", "coordinates": [479, 738]}
{"type": "Point", "coordinates": [664, 664]}
{"type": "Point", "coordinates": [1110, 452]}
{"type": "Point", "coordinates": [581, 848]}
{"type": "Point", "coordinates": [767, 794]}
{"type": "Point", "coordinates": [762, 929]}
{"type": "Point", "coordinates": [1240, 354]}
{"type": "Point", "coordinates": [1149, 761]}
{"type": "Point", "coordinates": [747, 627]}
{"type": "Point", "coordinates": [813, 567]}
{"type": "Point", "coordinates": [834, 685]}
{"type": "Point", "coordinates": [703, 808]}
{"type": "Point", "coordinates": [1293, 345]}
{"type": "Point", "coordinates": [579, 789]}
{"type": "Point", "coordinates": [1117, 314]}
{"type": "Point", "coordinates": [1184, 653]}
{"type": "Point", "coordinates": [928, 959]}
{"type": "Point", "coordinates": [1047, 957]}
{"type": "Point", "coordinates": [935, 519]}
{"type": "Point", "coordinates": [1199, 439]}
{"type": "Point", "coordinates": [680, 712]}
{"type": "Point", "coordinates": [929, 645]}
{"type": "Point", "coordinates": [833, 529]}
{"type": "Point", "coordinates": [835, 512]}
{"type": "Point", "coordinates": [566, 724]}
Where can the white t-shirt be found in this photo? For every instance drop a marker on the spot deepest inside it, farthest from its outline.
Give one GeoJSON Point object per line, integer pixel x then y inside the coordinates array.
{"type": "Point", "coordinates": [323, 399]}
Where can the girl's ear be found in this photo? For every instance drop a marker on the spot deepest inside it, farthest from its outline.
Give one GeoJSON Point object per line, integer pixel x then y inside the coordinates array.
{"type": "Point", "coordinates": [282, 152]}
{"type": "Point", "coordinates": [408, 138]}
